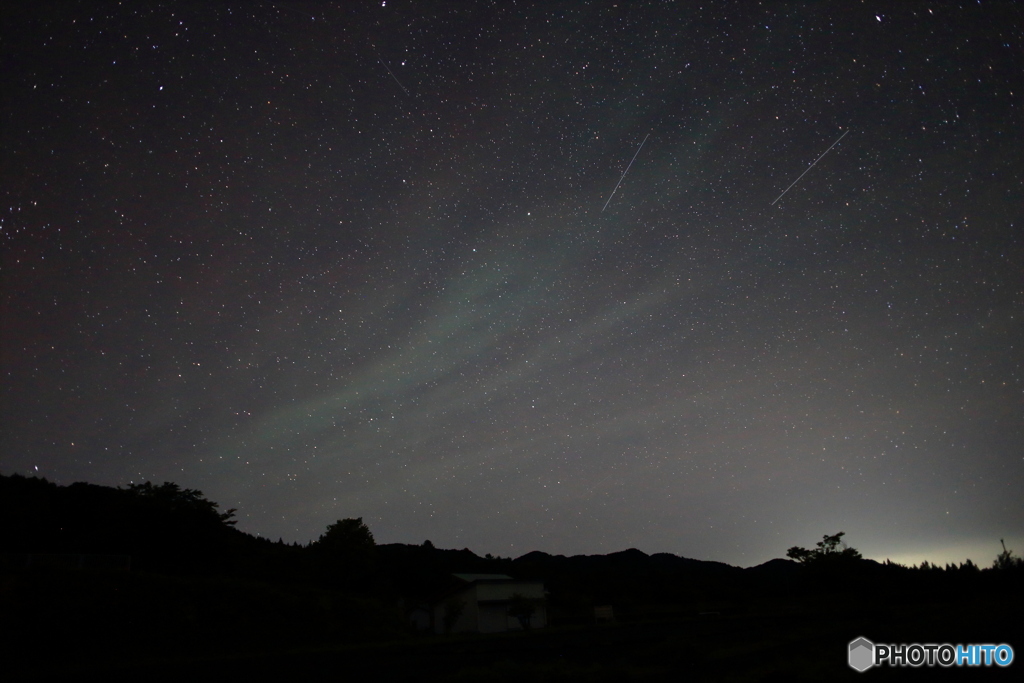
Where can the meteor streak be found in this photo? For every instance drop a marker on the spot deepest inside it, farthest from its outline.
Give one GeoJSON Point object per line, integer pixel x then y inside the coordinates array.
{"type": "Point", "coordinates": [810, 167]}
{"type": "Point", "coordinates": [624, 174]}
{"type": "Point", "coordinates": [385, 65]}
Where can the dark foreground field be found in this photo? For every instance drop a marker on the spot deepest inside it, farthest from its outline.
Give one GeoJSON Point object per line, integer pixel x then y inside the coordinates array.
{"type": "Point", "coordinates": [153, 583]}
{"type": "Point", "coordinates": [767, 643]}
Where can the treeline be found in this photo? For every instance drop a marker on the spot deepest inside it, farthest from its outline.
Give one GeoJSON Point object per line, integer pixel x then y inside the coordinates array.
{"type": "Point", "coordinates": [195, 584]}
{"type": "Point", "coordinates": [104, 575]}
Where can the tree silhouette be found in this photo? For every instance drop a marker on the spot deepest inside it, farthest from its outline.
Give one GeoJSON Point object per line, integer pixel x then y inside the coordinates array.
{"type": "Point", "coordinates": [453, 609]}
{"type": "Point", "coordinates": [522, 608]}
{"type": "Point", "coordinates": [346, 550]}
{"type": "Point", "coordinates": [345, 535]}
{"type": "Point", "coordinates": [1006, 561]}
{"type": "Point", "coordinates": [828, 550]}
{"type": "Point", "coordinates": [175, 499]}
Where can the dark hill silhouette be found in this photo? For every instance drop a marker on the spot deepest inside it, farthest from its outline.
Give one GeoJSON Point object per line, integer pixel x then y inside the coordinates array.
{"type": "Point", "coordinates": [777, 568]}
{"type": "Point", "coordinates": [197, 585]}
{"type": "Point", "coordinates": [176, 530]}
{"type": "Point", "coordinates": [163, 528]}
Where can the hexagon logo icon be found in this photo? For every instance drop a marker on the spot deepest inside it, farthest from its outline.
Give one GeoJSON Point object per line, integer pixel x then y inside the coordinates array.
{"type": "Point", "coordinates": [862, 654]}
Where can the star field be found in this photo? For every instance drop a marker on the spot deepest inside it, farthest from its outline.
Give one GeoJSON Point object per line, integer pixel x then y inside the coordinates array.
{"type": "Point", "coordinates": [328, 260]}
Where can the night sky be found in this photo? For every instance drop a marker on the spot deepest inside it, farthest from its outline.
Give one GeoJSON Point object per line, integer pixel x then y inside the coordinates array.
{"type": "Point", "coordinates": [384, 260]}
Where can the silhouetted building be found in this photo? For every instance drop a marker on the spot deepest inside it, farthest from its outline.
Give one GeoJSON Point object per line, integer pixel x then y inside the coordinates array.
{"type": "Point", "coordinates": [490, 603]}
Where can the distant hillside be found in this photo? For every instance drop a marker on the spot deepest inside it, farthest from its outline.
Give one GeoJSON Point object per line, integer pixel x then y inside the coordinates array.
{"type": "Point", "coordinates": [169, 530]}
{"type": "Point", "coordinates": [163, 528]}
{"type": "Point", "coordinates": [197, 587]}
{"type": "Point", "coordinates": [176, 530]}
